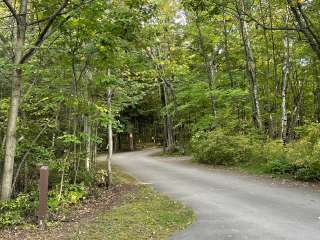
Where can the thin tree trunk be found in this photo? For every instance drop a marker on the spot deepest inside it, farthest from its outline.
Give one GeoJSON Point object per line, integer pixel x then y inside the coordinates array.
{"type": "Point", "coordinates": [95, 147]}
{"type": "Point", "coordinates": [167, 133]}
{"type": "Point", "coordinates": [170, 139]}
{"type": "Point", "coordinates": [250, 65]}
{"type": "Point", "coordinates": [275, 73]}
{"type": "Point", "coordinates": [298, 100]}
{"type": "Point", "coordinates": [285, 74]}
{"type": "Point", "coordinates": [268, 74]}
{"type": "Point", "coordinates": [62, 175]}
{"type": "Point", "coordinates": [116, 143]}
{"type": "Point", "coordinates": [226, 50]}
{"type": "Point", "coordinates": [6, 187]}
{"type": "Point", "coordinates": [87, 129]}
{"type": "Point", "coordinates": [24, 158]}
{"type": "Point", "coordinates": [131, 142]}
{"type": "Point", "coordinates": [110, 140]}
{"type": "Point", "coordinates": [304, 26]}
{"type": "Point", "coordinates": [19, 59]}
{"type": "Point", "coordinates": [316, 92]}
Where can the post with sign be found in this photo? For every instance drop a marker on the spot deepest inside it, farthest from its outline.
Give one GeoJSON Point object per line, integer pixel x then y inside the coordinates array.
{"type": "Point", "coordinates": [43, 196]}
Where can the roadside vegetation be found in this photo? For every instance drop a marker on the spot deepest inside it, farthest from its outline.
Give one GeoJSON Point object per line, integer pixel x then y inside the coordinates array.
{"type": "Point", "coordinates": [145, 214]}
{"type": "Point", "coordinates": [127, 211]}
{"type": "Point", "coordinates": [298, 160]}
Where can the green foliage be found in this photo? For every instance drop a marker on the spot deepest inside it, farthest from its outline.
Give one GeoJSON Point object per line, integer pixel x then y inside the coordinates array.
{"type": "Point", "coordinates": [22, 209]}
{"type": "Point", "coordinates": [16, 211]}
{"type": "Point", "coordinates": [299, 159]}
{"type": "Point", "coordinates": [218, 148]}
{"type": "Point", "coordinates": [70, 195]}
{"type": "Point", "coordinates": [69, 138]}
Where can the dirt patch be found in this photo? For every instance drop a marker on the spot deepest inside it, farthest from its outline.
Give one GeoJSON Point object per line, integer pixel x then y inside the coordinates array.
{"type": "Point", "coordinates": [67, 224]}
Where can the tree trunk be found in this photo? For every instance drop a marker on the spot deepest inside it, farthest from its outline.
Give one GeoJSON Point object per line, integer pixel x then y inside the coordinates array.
{"type": "Point", "coordinates": [316, 92]}
{"type": "Point", "coordinates": [250, 65]}
{"type": "Point", "coordinates": [209, 66]}
{"type": "Point", "coordinates": [95, 147]}
{"type": "Point", "coordinates": [87, 129]}
{"type": "Point", "coordinates": [116, 143]}
{"type": "Point", "coordinates": [275, 74]}
{"type": "Point", "coordinates": [10, 146]}
{"type": "Point", "coordinates": [267, 73]}
{"type": "Point", "coordinates": [297, 105]}
{"type": "Point", "coordinates": [169, 130]}
{"type": "Point", "coordinates": [285, 74]}
{"type": "Point", "coordinates": [226, 50]}
{"type": "Point", "coordinates": [110, 140]}
{"type": "Point", "coordinates": [304, 26]}
{"type": "Point", "coordinates": [168, 142]}
{"type": "Point", "coordinates": [131, 143]}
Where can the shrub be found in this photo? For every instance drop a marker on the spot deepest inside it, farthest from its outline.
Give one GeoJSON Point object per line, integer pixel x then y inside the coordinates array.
{"type": "Point", "coordinates": [23, 208]}
{"type": "Point", "coordinates": [71, 195]}
{"type": "Point", "coordinates": [218, 148]}
{"type": "Point", "coordinates": [300, 159]}
{"type": "Point", "coordinates": [15, 211]}
{"type": "Point", "coordinates": [277, 166]}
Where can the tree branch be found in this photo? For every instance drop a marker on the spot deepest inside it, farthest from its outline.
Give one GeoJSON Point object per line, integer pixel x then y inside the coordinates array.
{"type": "Point", "coordinates": [27, 154]}
{"type": "Point", "coordinates": [42, 35]}
{"type": "Point", "coordinates": [12, 10]}
{"type": "Point", "coordinates": [61, 13]}
{"type": "Point", "coordinates": [251, 18]}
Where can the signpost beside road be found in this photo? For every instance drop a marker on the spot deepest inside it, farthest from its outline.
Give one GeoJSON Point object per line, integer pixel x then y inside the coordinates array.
{"type": "Point", "coordinates": [43, 196]}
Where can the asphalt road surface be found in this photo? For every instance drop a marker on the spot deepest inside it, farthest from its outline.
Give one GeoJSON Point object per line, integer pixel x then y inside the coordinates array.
{"type": "Point", "coordinates": [229, 205]}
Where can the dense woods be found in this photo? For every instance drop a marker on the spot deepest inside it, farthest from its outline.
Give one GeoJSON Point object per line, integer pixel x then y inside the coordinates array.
{"type": "Point", "coordinates": [231, 82]}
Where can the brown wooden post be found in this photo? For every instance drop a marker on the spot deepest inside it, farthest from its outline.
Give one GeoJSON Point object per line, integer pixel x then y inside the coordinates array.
{"type": "Point", "coordinates": [43, 195]}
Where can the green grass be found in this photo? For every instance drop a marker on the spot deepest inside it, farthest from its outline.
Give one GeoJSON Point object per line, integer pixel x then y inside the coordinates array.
{"type": "Point", "coordinates": [253, 168]}
{"type": "Point", "coordinates": [145, 214]}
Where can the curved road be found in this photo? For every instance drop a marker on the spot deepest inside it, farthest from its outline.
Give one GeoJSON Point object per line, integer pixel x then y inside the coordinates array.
{"type": "Point", "coordinates": [229, 205]}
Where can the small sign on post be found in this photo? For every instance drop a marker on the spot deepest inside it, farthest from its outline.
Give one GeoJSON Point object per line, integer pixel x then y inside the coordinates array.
{"type": "Point", "coordinates": [43, 196]}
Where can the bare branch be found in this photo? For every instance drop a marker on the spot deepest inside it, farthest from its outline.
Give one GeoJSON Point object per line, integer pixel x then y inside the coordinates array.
{"type": "Point", "coordinates": [251, 18]}
{"type": "Point", "coordinates": [12, 10]}
{"type": "Point", "coordinates": [42, 35]}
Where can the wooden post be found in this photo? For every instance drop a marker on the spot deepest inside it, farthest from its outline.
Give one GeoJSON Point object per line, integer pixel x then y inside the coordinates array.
{"type": "Point", "coordinates": [43, 195]}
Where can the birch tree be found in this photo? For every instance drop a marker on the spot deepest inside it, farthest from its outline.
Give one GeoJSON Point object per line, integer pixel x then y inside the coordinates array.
{"type": "Point", "coordinates": [21, 58]}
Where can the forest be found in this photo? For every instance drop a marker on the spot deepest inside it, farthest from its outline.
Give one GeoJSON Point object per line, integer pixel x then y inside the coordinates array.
{"type": "Point", "coordinates": [230, 82]}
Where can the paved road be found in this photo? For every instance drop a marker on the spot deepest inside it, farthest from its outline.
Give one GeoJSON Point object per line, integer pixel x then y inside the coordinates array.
{"type": "Point", "coordinates": [229, 205]}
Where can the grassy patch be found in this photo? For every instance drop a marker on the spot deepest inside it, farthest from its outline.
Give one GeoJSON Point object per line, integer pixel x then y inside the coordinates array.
{"type": "Point", "coordinates": [253, 168]}
{"type": "Point", "coordinates": [145, 214]}
{"type": "Point", "coordinates": [120, 177]}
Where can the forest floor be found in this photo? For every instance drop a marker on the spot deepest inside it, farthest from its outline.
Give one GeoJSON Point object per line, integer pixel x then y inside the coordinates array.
{"type": "Point", "coordinates": [230, 204]}
{"type": "Point", "coordinates": [130, 210]}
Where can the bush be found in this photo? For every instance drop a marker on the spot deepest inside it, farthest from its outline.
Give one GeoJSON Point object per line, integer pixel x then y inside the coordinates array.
{"type": "Point", "coordinates": [71, 195]}
{"type": "Point", "coordinates": [300, 159]}
{"type": "Point", "coordinates": [218, 148]}
{"type": "Point", "coordinates": [23, 208]}
{"type": "Point", "coordinates": [16, 211]}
